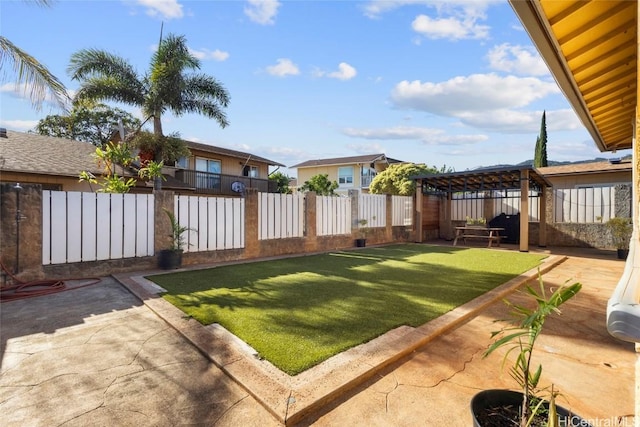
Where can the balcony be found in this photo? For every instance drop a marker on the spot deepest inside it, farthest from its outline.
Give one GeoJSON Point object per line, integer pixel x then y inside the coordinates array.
{"type": "Point", "coordinates": [221, 184]}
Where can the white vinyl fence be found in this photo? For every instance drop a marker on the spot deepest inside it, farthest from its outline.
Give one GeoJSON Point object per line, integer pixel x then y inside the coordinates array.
{"type": "Point", "coordinates": [373, 209]}
{"type": "Point", "coordinates": [333, 215]}
{"type": "Point", "coordinates": [584, 205]}
{"type": "Point", "coordinates": [79, 226]}
{"type": "Point", "coordinates": [280, 215]}
{"type": "Point", "coordinates": [402, 214]}
{"type": "Point", "coordinates": [214, 222]}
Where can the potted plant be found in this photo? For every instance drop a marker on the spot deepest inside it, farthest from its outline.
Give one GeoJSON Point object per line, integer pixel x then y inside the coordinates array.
{"type": "Point", "coordinates": [361, 242]}
{"type": "Point", "coordinates": [171, 258]}
{"type": "Point", "coordinates": [476, 222]}
{"type": "Point", "coordinates": [621, 229]}
{"type": "Point", "coordinates": [530, 406]}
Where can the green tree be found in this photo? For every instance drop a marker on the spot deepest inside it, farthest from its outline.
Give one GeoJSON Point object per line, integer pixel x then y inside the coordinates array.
{"type": "Point", "coordinates": [169, 148]}
{"type": "Point", "coordinates": [93, 124]}
{"type": "Point", "coordinates": [320, 184]}
{"type": "Point", "coordinates": [38, 81]}
{"type": "Point", "coordinates": [396, 179]}
{"type": "Point", "coordinates": [167, 85]}
{"type": "Point", "coordinates": [282, 181]}
{"type": "Point", "coordinates": [540, 155]}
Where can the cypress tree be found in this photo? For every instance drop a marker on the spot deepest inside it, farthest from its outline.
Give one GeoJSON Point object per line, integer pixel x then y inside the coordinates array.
{"type": "Point", "coordinates": [540, 155]}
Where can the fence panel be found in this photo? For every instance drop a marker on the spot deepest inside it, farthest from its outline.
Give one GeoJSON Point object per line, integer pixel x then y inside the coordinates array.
{"type": "Point", "coordinates": [89, 227]}
{"type": "Point", "coordinates": [402, 214]}
{"type": "Point", "coordinates": [466, 205]}
{"type": "Point", "coordinates": [373, 209]}
{"type": "Point", "coordinates": [333, 215]}
{"type": "Point", "coordinates": [215, 223]}
{"type": "Point", "coordinates": [280, 215]}
{"type": "Point", "coordinates": [584, 205]}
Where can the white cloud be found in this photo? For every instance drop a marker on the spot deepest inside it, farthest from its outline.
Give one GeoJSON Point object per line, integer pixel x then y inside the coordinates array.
{"type": "Point", "coordinates": [284, 67]}
{"type": "Point", "coordinates": [205, 54]}
{"type": "Point", "coordinates": [449, 28]}
{"type": "Point", "coordinates": [522, 60]}
{"type": "Point", "coordinates": [26, 92]}
{"type": "Point", "coordinates": [514, 121]}
{"type": "Point", "coordinates": [167, 9]}
{"type": "Point", "coordinates": [429, 136]}
{"type": "Point", "coordinates": [19, 125]}
{"type": "Point", "coordinates": [262, 11]}
{"type": "Point", "coordinates": [345, 72]}
{"type": "Point", "coordinates": [474, 93]}
{"type": "Point", "coordinates": [366, 148]}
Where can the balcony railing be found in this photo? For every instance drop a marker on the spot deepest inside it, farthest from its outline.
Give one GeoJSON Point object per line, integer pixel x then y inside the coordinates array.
{"type": "Point", "coordinates": [217, 183]}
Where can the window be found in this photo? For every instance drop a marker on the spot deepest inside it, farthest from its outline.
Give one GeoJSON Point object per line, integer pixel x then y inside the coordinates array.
{"type": "Point", "coordinates": [208, 173]}
{"type": "Point", "coordinates": [345, 175]}
{"type": "Point", "coordinates": [183, 163]}
{"type": "Point", "coordinates": [250, 171]}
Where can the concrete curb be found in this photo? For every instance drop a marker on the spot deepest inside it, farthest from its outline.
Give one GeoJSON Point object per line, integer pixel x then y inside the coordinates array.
{"type": "Point", "coordinates": [292, 399]}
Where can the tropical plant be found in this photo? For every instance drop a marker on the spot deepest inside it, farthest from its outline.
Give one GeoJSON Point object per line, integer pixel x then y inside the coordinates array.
{"type": "Point", "coordinates": [89, 123]}
{"type": "Point", "coordinates": [36, 78]}
{"type": "Point", "coordinates": [169, 148]}
{"type": "Point", "coordinates": [520, 337]}
{"type": "Point", "coordinates": [109, 158]}
{"type": "Point", "coordinates": [166, 86]}
{"type": "Point", "coordinates": [621, 229]}
{"type": "Point", "coordinates": [320, 184]}
{"type": "Point", "coordinates": [177, 232]}
{"type": "Point", "coordinates": [282, 182]}
{"type": "Point", "coordinates": [396, 179]}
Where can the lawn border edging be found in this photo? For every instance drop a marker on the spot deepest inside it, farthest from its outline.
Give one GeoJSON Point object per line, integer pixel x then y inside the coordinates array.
{"type": "Point", "coordinates": [293, 399]}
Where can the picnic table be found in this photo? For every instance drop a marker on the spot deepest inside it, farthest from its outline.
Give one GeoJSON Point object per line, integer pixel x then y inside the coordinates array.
{"type": "Point", "coordinates": [491, 234]}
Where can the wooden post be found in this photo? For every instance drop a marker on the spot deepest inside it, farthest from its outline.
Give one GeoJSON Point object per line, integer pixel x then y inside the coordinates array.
{"type": "Point", "coordinates": [524, 210]}
{"type": "Point", "coordinates": [542, 229]}
{"type": "Point", "coordinates": [417, 226]}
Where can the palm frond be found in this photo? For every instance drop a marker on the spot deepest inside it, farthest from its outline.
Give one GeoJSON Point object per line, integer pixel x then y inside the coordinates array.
{"type": "Point", "coordinates": [36, 77]}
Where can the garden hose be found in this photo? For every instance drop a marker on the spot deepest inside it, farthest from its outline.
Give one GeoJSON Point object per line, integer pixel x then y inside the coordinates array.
{"type": "Point", "coordinates": [35, 288]}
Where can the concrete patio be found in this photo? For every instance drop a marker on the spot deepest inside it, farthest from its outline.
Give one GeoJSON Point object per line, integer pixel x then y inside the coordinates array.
{"type": "Point", "coordinates": [98, 355]}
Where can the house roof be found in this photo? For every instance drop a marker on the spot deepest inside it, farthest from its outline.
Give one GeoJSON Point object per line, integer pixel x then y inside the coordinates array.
{"type": "Point", "coordinates": [591, 50]}
{"type": "Point", "coordinates": [46, 155]}
{"type": "Point", "coordinates": [369, 158]}
{"type": "Point", "coordinates": [587, 168]}
{"type": "Point", "coordinates": [231, 153]}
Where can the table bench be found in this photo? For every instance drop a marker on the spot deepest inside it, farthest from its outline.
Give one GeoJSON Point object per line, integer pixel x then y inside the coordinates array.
{"type": "Point", "coordinates": [491, 234]}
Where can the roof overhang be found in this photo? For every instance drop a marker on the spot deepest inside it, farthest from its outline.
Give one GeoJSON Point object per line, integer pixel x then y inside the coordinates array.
{"type": "Point", "coordinates": [591, 50]}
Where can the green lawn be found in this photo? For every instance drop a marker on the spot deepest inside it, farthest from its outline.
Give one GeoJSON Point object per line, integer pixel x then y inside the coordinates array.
{"type": "Point", "coordinates": [299, 311]}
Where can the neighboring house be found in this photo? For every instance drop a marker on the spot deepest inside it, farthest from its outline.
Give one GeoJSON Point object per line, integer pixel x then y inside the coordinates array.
{"type": "Point", "coordinates": [351, 173]}
{"type": "Point", "coordinates": [55, 163]}
{"type": "Point", "coordinates": [217, 170]}
{"type": "Point", "coordinates": [592, 174]}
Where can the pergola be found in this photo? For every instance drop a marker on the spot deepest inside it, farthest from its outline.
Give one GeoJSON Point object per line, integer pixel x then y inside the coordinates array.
{"type": "Point", "coordinates": [507, 178]}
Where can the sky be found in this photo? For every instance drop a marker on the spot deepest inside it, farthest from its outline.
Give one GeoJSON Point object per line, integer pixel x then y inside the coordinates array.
{"type": "Point", "coordinates": [452, 83]}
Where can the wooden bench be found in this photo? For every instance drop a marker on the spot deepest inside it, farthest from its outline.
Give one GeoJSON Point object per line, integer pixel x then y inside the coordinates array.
{"type": "Point", "coordinates": [491, 234]}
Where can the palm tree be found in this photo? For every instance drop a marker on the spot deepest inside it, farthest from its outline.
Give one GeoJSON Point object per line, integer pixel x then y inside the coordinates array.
{"type": "Point", "coordinates": [41, 84]}
{"type": "Point", "coordinates": [165, 86]}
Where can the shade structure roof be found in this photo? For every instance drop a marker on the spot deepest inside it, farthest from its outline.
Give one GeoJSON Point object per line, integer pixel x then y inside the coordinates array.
{"type": "Point", "coordinates": [591, 49]}
{"type": "Point", "coordinates": [507, 178]}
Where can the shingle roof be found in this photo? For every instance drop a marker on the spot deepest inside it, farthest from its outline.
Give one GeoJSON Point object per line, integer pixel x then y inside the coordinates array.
{"type": "Point", "coordinates": [369, 158]}
{"type": "Point", "coordinates": [585, 168]}
{"type": "Point", "coordinates": [227, 152]}
{"type": "Point", "coordinates": [34, 153]}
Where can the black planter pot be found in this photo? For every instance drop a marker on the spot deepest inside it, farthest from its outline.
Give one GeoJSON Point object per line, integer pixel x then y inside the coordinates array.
{"type": "Point", "coordinates": [361, 243]}
{"type": "Point", "coordinates": [623, 253]}
{"type": "Point", "coordinates": [169, 259]}
{"type": "Point", "coordinates": [484, 401]}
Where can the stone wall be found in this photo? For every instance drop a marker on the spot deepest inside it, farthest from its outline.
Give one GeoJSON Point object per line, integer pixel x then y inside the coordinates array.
{"type": "Point", "coordinates": [21, 254]}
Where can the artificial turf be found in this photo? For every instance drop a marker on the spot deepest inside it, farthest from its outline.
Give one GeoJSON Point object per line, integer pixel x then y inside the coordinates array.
{"type": "Point", "coordinates": [296, 312]}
